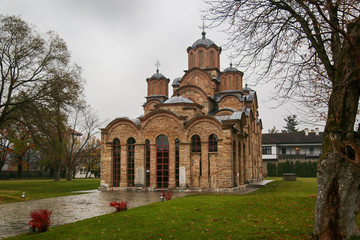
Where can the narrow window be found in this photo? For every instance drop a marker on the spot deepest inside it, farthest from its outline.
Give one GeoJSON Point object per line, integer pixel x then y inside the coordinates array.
{"type": "Point", "coordinates": [161, 92]}
{"type": "Point", "coordinates": [212, 64]}
{"type": "Point", "coordinates": [131, 161]}
{"type": "Point", "coordinates": [234, 163]}
{"type": "Point", "coordinates": [147, 160]}
{"type": "Point", "coordinates": [201, 60]}
{"type": "Point", "coordinates": [177, 162]}
{"type": "Point", "coordinates": [116, 162]}
{"type": "Point", "coordinates": [154, 89]}
{"type": "Point", "coordinates": [191, 60]}
{"type": "Point", "coordinates": [213, 142]}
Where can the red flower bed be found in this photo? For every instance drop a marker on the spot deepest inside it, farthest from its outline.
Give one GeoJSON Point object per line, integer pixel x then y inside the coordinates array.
{"type": "Point", "coordinates": [40, 220]}
{"type": "Point", "coordinates": [119, 205]}
{"type": "Point", "coordinates": [167, 195]}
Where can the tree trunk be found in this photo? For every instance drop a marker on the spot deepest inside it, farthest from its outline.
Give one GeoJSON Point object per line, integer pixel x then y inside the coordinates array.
{"type": "Point", "coordinates": [338, 193]}
{"type": "Point", "coordinates": [69, 174]}
{"type": "Point", "coordinates": [338, 198]}
{"type": "Point", "coordinates": [57, 169]}
{"type": "Point", "coordinates": [19, 170]}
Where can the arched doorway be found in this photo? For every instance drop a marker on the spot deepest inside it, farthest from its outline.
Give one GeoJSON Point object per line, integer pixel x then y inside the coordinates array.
{"type": "Point", "coordinates": [162, 162]}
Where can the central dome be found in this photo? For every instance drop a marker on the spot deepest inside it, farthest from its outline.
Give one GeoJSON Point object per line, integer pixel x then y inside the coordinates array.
{"type": "Point", "coordinates": [203, 42]}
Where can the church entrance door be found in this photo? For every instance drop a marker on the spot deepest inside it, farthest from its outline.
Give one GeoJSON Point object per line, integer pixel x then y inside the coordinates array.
{"type": "Point", "coordinates": [162, 162]}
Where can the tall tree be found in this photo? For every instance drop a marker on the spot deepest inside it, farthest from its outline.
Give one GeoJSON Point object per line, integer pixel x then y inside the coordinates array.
{"type": "Point", "coordinates": [38, 85]}
{"type": "Point", "coordinates": [291, 124]}
{"type": "Point", "coordinates": [309, 47]}
{"type": "Point", "coordinates": [28, 63]}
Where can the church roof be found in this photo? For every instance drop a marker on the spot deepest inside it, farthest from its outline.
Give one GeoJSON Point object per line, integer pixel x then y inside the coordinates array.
{"type": "Point", "coordinates": [246, 88]}
{"type": "Point", "coordinates": [176, 81]}
{"type": "Point", "coordinates": [205, 42]}
{"type": "Point", "coordinates": [157, 75]}
{"type": "Point", "coordinates": [231, 69]}
{"type": "Point", "coordinates": [178, 99]}
{"type": "Point", "coordinates": [235, 116]}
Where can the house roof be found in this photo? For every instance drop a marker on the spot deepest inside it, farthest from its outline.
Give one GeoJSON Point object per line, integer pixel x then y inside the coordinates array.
{"type": "Point", "coordinates": [292, 138]}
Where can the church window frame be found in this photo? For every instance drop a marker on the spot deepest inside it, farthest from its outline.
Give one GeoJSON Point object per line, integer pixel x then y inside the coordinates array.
{"type": "Point", "coordinates": [212, 62]}
{"type": "Point", "coordinates": [196, 144]}
{"type": "Point", "coordinates": [116, 152]}
{"type": "Point", "coordinates": [131, 162]}
{"type": "Point", "coordinates": [162, 161]}
{"type": "Point", "coordinates": [213, 143]}
{"type": "Point", "coordinates": [147, 162]}
{"type": "Point", "coordinates": [177, 162]}
{"type": "Point", "coordinates": [191, 60]}
{"type": "Point", "coordinates": [201, 58]}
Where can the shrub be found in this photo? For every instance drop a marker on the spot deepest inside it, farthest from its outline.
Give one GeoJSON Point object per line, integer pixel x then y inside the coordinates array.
{"type": "Point", "coordinates": [119, 205]}
{"type": "Point", "coordinates": [167, 195]}
{"type": "Point", "coordinates": [40, 220]}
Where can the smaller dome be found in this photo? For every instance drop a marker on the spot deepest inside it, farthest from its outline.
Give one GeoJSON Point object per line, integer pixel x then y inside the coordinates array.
{"type": "Point", "coordinates": [158, 75]}
{"type": "Point", "coordinates": [246, 88]}
{"type": "Point", "coordinates": [178, 99]}
{"type": "Point", "coordinates": [231, 69]}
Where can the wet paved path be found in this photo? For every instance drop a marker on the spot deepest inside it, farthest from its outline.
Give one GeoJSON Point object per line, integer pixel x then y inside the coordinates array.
{"type": "Point", "coordinates": [14, 217]}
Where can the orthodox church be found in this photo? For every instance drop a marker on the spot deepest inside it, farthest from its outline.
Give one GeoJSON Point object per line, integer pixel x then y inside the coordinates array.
{"type": "Point", "coordinates": [207, 135]}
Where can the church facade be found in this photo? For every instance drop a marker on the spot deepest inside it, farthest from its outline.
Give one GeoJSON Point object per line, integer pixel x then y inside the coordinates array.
{"type": "Point", "coordinates": [207, 135]}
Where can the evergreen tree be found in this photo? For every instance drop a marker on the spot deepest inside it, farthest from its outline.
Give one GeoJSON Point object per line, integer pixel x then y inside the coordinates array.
{"type": "Point", "coordinates": [291, 123]}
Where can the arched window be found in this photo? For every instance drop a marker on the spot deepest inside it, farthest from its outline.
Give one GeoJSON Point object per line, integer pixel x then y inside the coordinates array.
{"type": "Point", "coordinates": [131, 161]}
{"type": "Point", "coordinates": [147, 162]}
{"type": "Point", "coordinates": [234, 163]}
{"type": "Point", "coordinates": [212, 64]}
{"type": "Point", "coordinates": [116, 162]}
{"type": "Point", "coordinates": [213, 143]}
{"type": "Point", "coordinates": [161, 92]}
{"type": "Point", "coordinates": [162, 162]}
{"type": "Point", "coordinates": [195, 144]}
{"type": "Point", "coordinates": [177, 161]}
{"type": "Point", "coordinates": [191, 60]}
{"type": "Point", "coordinates": [201, 59]}
{"type": "Point", "coordinates": [154, 89]}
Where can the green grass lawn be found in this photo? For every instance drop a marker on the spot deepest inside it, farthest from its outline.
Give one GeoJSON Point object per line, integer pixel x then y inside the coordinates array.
{"type": "Point", "coordinates": [11, 190]}
{"type": "Point", "coordinates": [282, 210]}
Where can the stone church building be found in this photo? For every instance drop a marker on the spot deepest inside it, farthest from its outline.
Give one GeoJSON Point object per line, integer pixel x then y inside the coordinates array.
{"type": "Point", "coordinates": [207, 135]}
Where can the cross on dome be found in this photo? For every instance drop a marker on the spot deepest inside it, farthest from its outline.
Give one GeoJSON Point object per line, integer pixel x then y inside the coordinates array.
{"type": "Point", "coordinates": [157, 64]}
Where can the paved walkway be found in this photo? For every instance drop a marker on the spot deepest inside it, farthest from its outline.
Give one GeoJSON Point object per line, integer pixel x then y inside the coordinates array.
{"type": "Point", "coordinates": [14, 217]}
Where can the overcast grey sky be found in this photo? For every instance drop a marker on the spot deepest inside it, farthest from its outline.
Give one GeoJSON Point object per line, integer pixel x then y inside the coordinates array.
{"type": "Point", "coordinates": [117, 42]}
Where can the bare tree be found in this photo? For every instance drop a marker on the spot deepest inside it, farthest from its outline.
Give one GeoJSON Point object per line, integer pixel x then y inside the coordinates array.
{"type": "Point", "coordinates": [83, 126]}
{"type": "Point", "coordinates": [4, 148]}
{"type": "Point", "coordinates": [310, 49]}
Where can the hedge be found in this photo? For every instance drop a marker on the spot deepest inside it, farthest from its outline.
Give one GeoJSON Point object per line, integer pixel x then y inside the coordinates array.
{"type": "Point", "coordinates": [302, 169]}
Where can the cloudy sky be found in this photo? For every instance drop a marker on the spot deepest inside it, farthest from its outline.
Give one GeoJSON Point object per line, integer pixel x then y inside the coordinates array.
{"type": "Point", "coordinates": [117, 42]}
